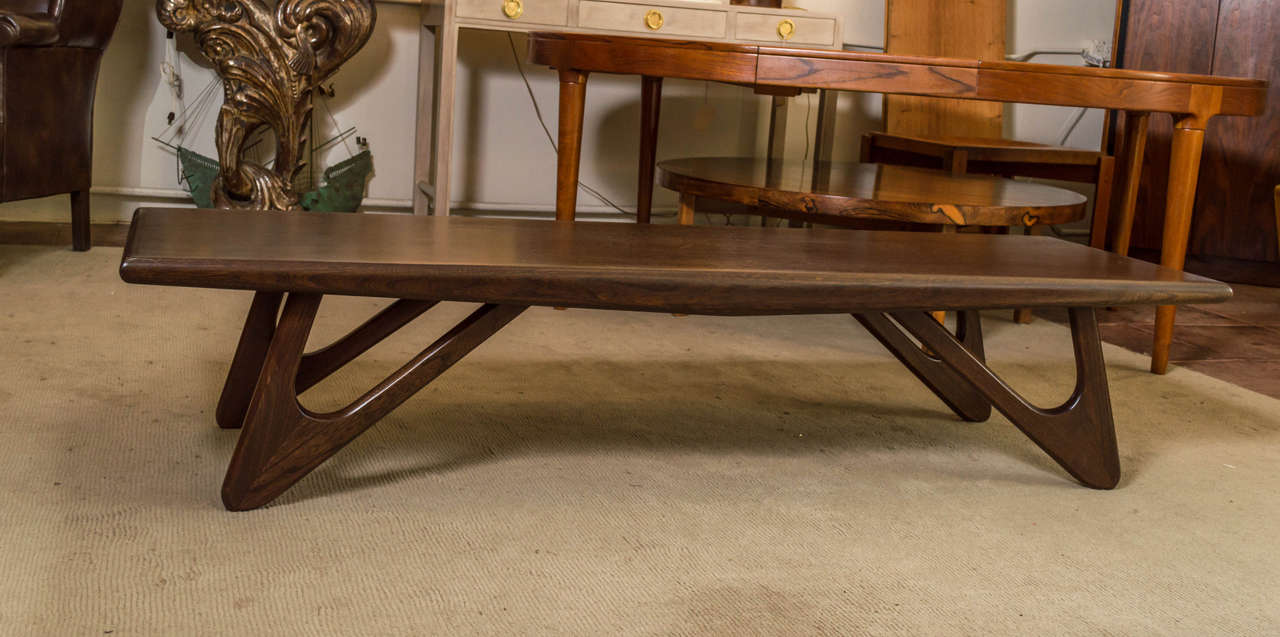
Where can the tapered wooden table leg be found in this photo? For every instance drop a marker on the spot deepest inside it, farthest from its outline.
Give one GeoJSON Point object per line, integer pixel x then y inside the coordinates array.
{"type": "Point", "coordinates": [573, 95]}
{"type": "Point", "coordinates": [1184, 172]}
{"type": "Point", "coordinates": [650, 114]}
{"type": "Point", "coordinates": [688, 207]}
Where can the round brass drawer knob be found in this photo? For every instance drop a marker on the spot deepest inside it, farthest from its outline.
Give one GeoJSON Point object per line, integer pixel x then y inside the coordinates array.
{"type": "Point", "coordinates": [653, 19]}
{"type": "Point", "coordinates": [513, 9]}
{"type": "Point", "coordinates": [786, 29]}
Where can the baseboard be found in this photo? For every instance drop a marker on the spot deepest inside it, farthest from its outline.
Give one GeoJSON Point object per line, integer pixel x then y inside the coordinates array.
{"type": "Point", "coordinates": [56, 233]}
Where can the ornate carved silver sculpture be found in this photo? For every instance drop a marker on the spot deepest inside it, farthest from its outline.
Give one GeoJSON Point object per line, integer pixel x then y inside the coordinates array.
{"type": "Point", "coordinates": [270, 60]}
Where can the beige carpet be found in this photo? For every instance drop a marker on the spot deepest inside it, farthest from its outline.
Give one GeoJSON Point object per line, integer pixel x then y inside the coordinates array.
{"type": "Point", "coordinates": [606, 473]}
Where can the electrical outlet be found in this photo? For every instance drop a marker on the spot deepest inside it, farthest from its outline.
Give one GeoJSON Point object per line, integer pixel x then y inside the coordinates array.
{"type": "Point", "coordinates": [1097, 53]}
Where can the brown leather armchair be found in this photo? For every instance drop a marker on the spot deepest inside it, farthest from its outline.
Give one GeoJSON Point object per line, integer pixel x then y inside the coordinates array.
{"type": "Point", "coordinates": [50, 51]}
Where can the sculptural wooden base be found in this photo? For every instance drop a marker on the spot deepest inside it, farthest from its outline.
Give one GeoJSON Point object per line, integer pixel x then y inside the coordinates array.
{"type": "Point", "coordinates": [283, 441]}
{"type": "Point", "coordinates": [1079, 434]}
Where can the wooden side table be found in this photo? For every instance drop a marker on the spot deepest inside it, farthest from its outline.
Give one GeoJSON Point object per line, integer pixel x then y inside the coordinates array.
{"type": "Point", "coordinates": [837, 193]}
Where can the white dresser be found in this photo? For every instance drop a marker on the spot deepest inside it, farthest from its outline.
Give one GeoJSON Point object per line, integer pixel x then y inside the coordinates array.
{"type": "Point", "coordinates": [711, 20]}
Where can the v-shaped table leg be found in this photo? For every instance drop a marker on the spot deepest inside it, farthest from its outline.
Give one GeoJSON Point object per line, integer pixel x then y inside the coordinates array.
{"type": "Point", "coordinates": [1079, 434]}
{"type": "Point", "coordinates": [282, 441]}
{"type": "Point", "coordinates": [950, 386]}
{"type": "Point", "coordinates": [259, 327]}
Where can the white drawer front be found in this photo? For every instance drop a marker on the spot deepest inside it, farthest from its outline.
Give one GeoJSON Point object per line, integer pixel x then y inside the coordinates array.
{"type": "Point", "coordinates": [770, 27]}
{"type": "Point", "coordinates": [639, 18]}
{"type": "Point", "coordinates": [525, 11]}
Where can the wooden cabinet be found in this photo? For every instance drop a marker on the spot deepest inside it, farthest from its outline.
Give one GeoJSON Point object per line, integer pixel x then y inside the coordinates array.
{"type": "Point", "coordinates": [547, 12]}
{"type": "Point", "coordinates": [741, 21]}
{"type": "Point", "coordinates": [643, 19]}
{"type": "Point", "coordinates": [1234, 210]}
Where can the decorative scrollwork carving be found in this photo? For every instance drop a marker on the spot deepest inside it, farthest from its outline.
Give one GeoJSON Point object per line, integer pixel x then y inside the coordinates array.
{"type": "Point", "coordinates": [270, 61]}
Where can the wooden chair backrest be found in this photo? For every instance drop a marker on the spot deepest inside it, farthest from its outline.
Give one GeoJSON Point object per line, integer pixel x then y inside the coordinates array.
{"type": "Point", "coordinates": [947, 28]}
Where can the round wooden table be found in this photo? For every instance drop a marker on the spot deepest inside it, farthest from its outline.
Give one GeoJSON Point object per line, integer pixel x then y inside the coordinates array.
{"type": "Point", "coordinates": [836, 193]}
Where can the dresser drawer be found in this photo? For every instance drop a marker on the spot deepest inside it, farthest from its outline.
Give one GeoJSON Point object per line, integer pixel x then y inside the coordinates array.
{"type": "Point", "coordinates": [780, 29]}
{"type": "Point", "coordinates": [652, 19]}
{"type": "Point", "coordinates": [522, 11]}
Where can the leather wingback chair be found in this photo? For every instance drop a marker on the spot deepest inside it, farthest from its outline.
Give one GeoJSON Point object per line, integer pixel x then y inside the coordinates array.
{"type": "Point", "coordinates": [50, 52]}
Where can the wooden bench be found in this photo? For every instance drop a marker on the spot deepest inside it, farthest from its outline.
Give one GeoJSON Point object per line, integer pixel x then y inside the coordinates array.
{"type": "Point", "coordinates": [887, 281]}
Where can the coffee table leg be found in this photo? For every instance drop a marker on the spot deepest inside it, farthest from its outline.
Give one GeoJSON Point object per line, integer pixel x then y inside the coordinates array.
{"type": "Point", "coordinates": [1079, 434]}
{"type": "Point", "coordinates": [573, 96]}
{"type": "Point", "coordinates": [952, 388]}
{"type": "Point", "coordinates": [282, 442]}
{"type": "Point", "coordinates": [259, 326]}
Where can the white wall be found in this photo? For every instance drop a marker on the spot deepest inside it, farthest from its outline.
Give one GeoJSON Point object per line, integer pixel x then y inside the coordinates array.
{"type": "Point", "coordinates": [502, 155]}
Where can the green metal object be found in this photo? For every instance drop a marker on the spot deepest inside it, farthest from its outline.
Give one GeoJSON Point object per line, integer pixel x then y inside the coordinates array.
{"type": "Point", "coordinates": [344, 185]}
{"type": "Point", "coordinates": [343, 189]}
{"type": "Point", "coordinates": [199, 173]}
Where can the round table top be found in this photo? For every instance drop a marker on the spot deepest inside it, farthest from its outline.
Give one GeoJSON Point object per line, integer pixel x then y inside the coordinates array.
{"type": "Point", "coordinates": [841, 191]}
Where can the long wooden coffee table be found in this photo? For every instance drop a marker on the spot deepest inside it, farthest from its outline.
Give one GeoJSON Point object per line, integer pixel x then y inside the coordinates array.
{"type": "Point", "coordinates": [886, 280]}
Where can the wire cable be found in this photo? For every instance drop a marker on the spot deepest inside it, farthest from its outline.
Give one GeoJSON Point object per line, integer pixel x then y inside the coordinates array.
{"type": "Point", "coordinates": [546, 129]}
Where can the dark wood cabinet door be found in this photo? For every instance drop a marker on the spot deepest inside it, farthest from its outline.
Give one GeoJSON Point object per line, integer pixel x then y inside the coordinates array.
{"type": "Point", "coordinates": [1234, 204]}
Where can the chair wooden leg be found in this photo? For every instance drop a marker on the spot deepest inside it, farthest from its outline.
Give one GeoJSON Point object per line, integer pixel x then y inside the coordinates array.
{"type": "Point", "coordinates": [650, 114]}
{"type": "Point", "coordinates": [952, 388]}
{"type": "Point", "coordinates": [1079, 434]}
{"type": "Point", "coordinates": [1102, 203]}
{"type": "Point", "coordinates": [81, 231]}
{"type": "Point", "coordinates": [1184, 172]}
{"type": "Point", "coordinates": [1134, 144]}
{"type": "Point", "coordinates": [282, 441]}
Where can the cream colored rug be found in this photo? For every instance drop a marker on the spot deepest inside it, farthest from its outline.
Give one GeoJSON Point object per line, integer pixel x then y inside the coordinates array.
{"type": "Point", "coordinates": [607, 473]}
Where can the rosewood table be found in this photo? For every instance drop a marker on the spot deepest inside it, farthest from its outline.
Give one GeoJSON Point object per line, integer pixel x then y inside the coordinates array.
{"type": "Point", "coordinates": [1192, 100]}
{"type": "Point", "coordinates": [834, 193]}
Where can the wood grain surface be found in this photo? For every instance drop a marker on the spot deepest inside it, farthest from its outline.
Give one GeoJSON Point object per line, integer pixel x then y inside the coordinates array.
{"type": "Point", "coordinates": [1223, 37]}
{"type": "Point", "coordinates": [1199, 95]}
{"type": "Point", "coordinates": [1242, 156]}
{"type": "Point", "coordinates": [872, 191]}
{"type": "Point", "coordinates": [698, 270]}
{"type": "Point", "coordinates": [945, 28]}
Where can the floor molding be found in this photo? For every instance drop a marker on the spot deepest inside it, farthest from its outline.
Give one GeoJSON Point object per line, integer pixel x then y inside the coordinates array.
{"type": "Point", "coordinates": [59, 233]}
